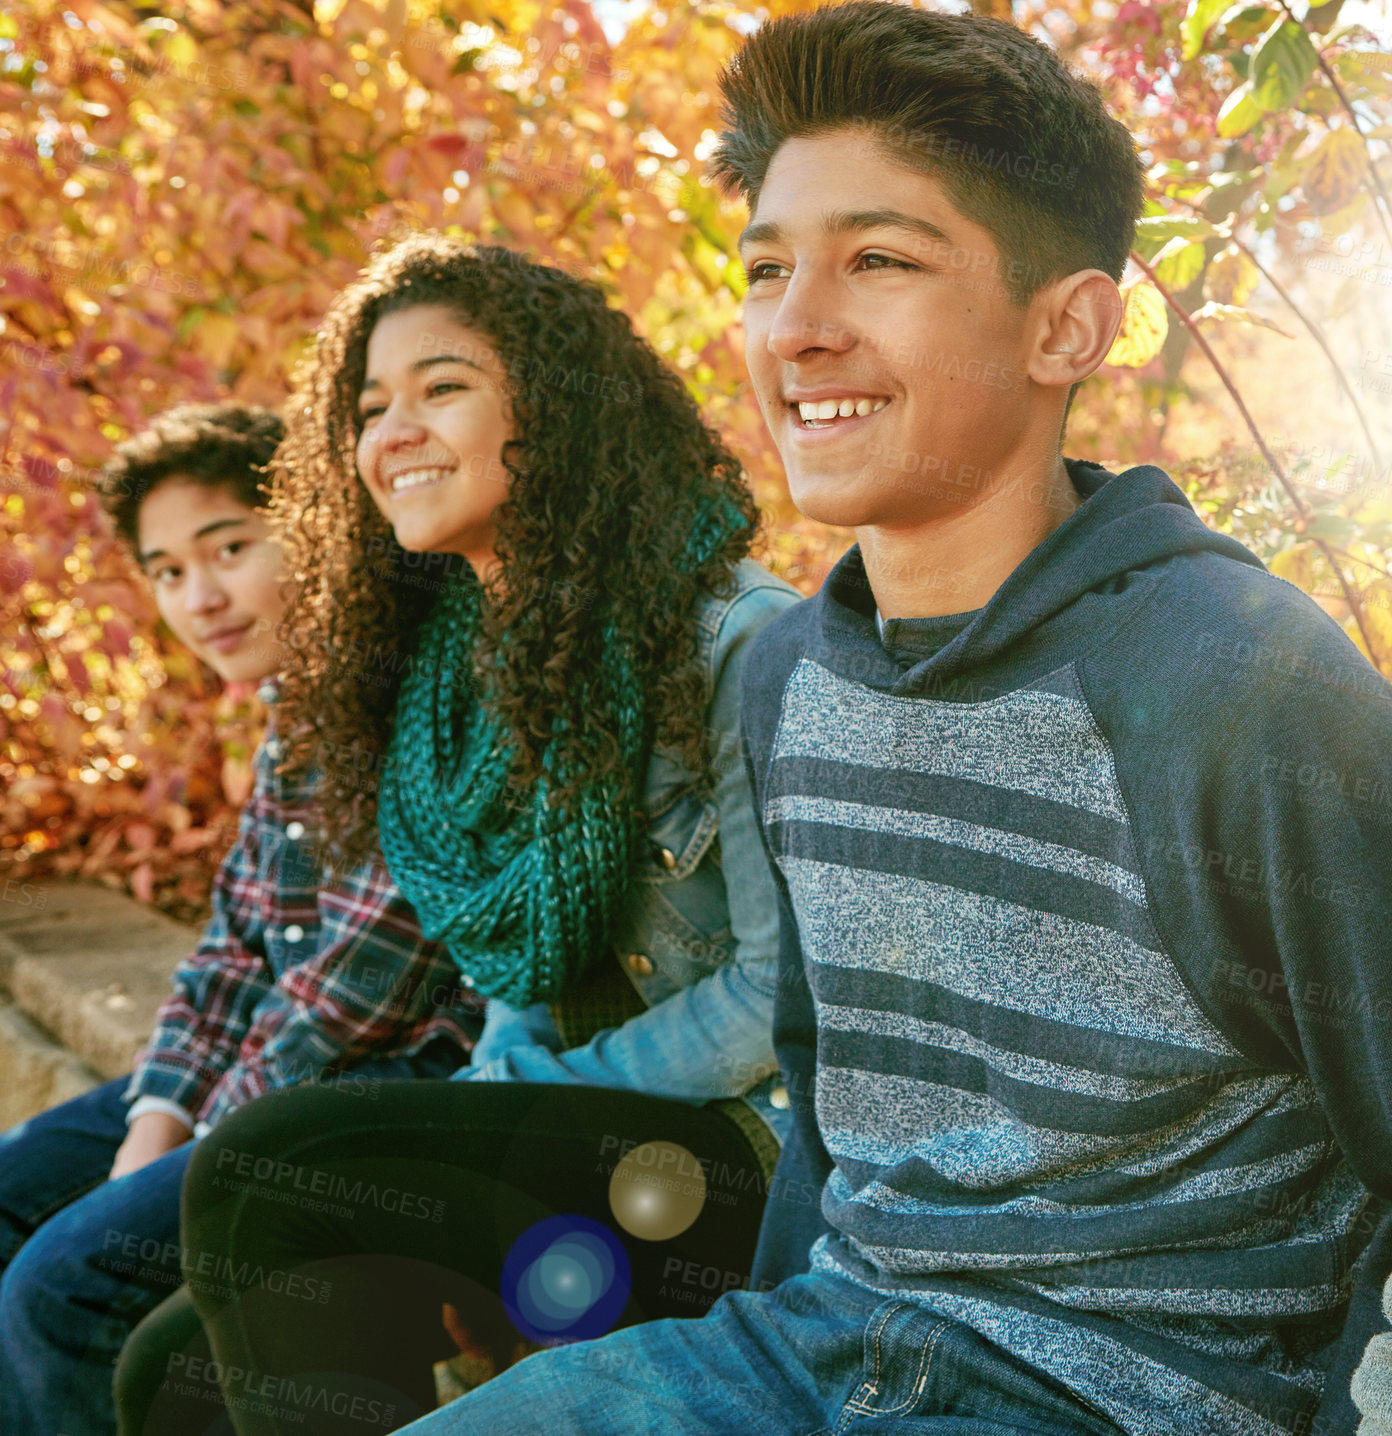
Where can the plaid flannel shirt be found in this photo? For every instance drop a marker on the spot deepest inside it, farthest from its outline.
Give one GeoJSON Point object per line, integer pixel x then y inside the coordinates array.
{"type": "Point", "coordinates": [295, 976]}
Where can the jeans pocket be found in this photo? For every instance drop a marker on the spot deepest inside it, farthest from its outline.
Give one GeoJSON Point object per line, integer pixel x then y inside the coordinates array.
{"type": "Point", "coordinates": [900, 1341]}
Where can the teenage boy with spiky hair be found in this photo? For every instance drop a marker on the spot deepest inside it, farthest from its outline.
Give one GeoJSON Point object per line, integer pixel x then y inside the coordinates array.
{"type": "Point", "coordinates": [301, 974]}
{"type": "Point", "coordinates": [1086, 998]}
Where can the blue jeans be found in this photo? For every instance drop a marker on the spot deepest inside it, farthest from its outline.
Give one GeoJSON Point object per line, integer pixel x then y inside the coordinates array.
{"type": "Point", "coordinates": [817, 1356]}
{"type": "Point", "coordinates": [83, 1260]}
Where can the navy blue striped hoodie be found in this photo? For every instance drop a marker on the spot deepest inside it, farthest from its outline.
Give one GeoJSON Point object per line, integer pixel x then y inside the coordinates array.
{"type": "Point", "coordinates": [1086, 990]}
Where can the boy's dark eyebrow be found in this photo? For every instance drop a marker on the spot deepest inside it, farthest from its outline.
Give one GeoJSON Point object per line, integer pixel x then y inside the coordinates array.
{"type": "Point", "coordinates": [848, 221]}
{"type": "Point", "coordinates": [421, 364]}
{"type": "Point", "coordinates": [148, 557]}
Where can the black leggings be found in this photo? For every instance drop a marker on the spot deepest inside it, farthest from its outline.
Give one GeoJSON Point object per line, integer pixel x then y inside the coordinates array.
{"type": "Point", "coordinates": [323, 1231]}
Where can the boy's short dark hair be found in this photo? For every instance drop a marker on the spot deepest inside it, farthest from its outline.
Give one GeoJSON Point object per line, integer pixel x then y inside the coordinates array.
{"type": "Point", "coordinates": [224, 445]}
{"type": "Point", "coordinates": [1024, 147]}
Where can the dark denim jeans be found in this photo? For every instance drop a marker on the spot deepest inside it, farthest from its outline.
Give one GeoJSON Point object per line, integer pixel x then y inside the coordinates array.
{"type": "Point", "coordinates": [83, 1260]}
{"type": "Point", "coordinates": [817, 1356]}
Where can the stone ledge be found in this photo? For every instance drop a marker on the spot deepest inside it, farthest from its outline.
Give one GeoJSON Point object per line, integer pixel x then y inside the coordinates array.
{"type": "Point", "coordinates": [90, 966]}
{"type": "Point", "coordinates": [35, 1072]}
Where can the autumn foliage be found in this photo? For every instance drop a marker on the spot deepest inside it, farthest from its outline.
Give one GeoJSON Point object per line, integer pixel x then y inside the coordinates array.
{"type": "Point", "coordinates": [181, 195]}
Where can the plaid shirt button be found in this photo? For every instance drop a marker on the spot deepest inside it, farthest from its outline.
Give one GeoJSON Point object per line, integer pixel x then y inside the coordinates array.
{"type": "Point", "coordinates": [294, 831]}
{"type": "Point", "coordinates": [294, 932]}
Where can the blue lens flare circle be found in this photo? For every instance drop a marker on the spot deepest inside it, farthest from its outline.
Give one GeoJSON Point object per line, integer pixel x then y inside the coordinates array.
{"type": "Point", "coordinates": [566, 1279]}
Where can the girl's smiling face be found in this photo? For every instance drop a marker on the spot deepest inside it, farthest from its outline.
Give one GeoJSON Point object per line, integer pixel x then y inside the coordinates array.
{"type": "Point", "coordinates": [433, 421]}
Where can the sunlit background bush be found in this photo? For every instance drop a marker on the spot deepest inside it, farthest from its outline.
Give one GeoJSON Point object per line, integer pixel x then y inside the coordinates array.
{"type": "Point", "coordinates": [182, 192]}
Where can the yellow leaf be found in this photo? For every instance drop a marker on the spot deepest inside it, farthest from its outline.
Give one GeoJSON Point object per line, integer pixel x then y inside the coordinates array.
{"type": "Point", "coordinates": [1296, 565]}
{"type": "Point", "coordinates": [1231, 277]}
{"type": "Point", "coordinates": [1335, 171]}
{"type": "Point", "coordinates": [1144, 325]}
{"type": "Point", "coordinates": [1343, 220]}
{"type": "Point", "coordinates": [215, 337]}
{"type": "Point", "coordinates": [1377, 622]}
{"type": "Point", "coordinates": [515, 211]}
{"type": "Point", "coordinates": [236, 779]}
{"type": "Point", "coordinates": [180, 51]}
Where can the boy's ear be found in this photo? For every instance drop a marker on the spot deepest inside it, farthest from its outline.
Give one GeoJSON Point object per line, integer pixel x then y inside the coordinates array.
{"type": "Point", "coordinates": [1078, 319]}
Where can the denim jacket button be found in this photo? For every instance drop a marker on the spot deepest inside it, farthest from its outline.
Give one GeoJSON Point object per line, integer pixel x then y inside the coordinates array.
{"type": "Point", "coordinates": [667, 858]}
{"type": "Point", "coordinates": [779, 1097]}
{"type": "Point", "coordinates": [640, 963]}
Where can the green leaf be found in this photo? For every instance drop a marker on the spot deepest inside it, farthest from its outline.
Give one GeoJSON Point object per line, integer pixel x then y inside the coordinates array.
{"type": "Point", "coordinates": [1153, 233]}
{"type": "Point", "coordinates": [1244, 23]}
{"type": "Point", "coordinates": [1320, 100]}
{"type": "Point", "coordinates": [189, 320]}
{"type": "Point", "coordinates": [1226, 192]}
{"type": "Point", "coordinates": [1282, 65]}
{"type": "Point", "coordinates": [1284, 177]}
{"type": "Point", "coordinates": [1188, 187]}
{"type": "Point", "coordinates": [1239, 113]}
{"type": "Point", "coordinates": [1363, 67]}
{"type": "Point", "coordinates": [1327, 524]}
{"type": "Point", "coordinates": [1320, 17]}
{"type": "Point", "coordinates": [1196, 23]}
{"type": "Point", "coordinates": [1179, 263]}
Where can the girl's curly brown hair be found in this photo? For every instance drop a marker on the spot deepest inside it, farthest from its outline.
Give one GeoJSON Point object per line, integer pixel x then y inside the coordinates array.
{"type": "Point", "coordinates": [610, 467]}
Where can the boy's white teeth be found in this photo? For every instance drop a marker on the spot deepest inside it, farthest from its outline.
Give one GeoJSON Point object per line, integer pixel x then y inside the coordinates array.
{"type": "Point", "coordinates": [839, 408]}
{"type": "Point", "coordinates": [414, 478]}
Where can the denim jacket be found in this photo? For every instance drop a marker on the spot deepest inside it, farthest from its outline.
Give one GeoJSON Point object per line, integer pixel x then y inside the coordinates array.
{"type": "Point", "coordinates": [699, 936]}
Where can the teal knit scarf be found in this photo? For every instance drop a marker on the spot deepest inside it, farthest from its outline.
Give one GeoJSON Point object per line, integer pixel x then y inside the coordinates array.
{"type": "Point", "coordinates": [523, 896]}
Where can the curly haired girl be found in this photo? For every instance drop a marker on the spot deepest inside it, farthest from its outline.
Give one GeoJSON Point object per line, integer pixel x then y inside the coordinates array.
{"type": "Point", "coordinates": [523, 598]}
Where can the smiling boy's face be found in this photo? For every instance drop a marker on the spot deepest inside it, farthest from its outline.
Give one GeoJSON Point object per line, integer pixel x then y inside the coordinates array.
{"type": "Point", "coordinates": [868, 288]}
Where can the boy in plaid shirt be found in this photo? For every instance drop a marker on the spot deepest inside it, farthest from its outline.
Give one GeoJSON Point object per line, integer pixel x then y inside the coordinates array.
{"type": "Point", "coordinates": [302, 974]}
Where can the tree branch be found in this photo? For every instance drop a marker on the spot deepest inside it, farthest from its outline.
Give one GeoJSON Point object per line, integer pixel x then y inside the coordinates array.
{"type": "Point", "coordinates": [1299, 504]}
{"type": "Point", "coordinates": [1379, 191]}
{"type": "Point", "coordinates": [1316, 333]}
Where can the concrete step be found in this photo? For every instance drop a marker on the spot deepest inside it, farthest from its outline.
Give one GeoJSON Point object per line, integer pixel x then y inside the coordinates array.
{"type": "Point", "coordinates": [35, 1072]}
{"type": "Point", "coordinates": [83, 970]}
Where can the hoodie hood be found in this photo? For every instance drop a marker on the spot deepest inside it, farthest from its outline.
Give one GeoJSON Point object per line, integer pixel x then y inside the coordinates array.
{"type": "Point", "coordinates": [1127, 523]}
